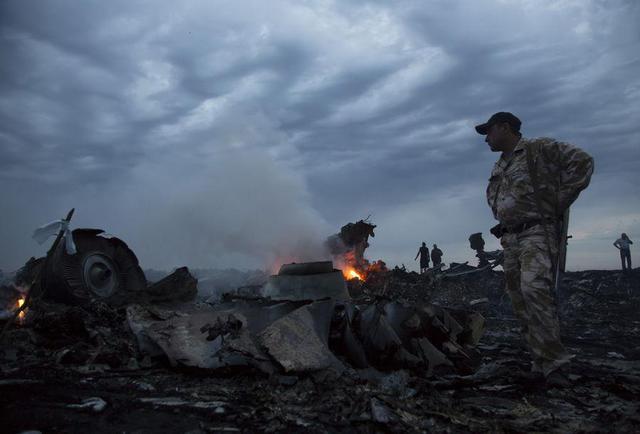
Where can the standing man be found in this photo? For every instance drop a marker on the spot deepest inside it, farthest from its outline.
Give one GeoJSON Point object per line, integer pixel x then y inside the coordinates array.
{"type": "Point", "coordinates": [531, 185]}
{"type": "Point", "coordinates": [624, 245]}
{"type": "Point", "coordinates": [436, 256]}
{"type": "Point", "coordinates": [423, 252]}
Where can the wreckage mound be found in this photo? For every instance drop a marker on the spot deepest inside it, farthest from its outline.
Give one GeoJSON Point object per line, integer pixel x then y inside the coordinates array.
{"type": "Point", "coordinates": [75, 368]}
{"type": "Point", "coordinates": [310, 326]}
{"type": "Point", "coordinates": [92, 335]}
{"type": "Point", "coordinates": [482, 291]}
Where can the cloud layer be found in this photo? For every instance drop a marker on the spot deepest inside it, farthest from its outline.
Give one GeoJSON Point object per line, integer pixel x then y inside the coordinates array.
{"type": "Point", "coordinates": [229, 133]}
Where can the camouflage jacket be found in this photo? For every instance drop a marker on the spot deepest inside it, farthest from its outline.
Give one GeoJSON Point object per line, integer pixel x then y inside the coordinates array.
{"type": "Point", "coordinates": [563, 171]}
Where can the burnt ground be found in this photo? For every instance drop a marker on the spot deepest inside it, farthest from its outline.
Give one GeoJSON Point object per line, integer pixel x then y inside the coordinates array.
{"type": "Point", "coordinates": [45, 375]}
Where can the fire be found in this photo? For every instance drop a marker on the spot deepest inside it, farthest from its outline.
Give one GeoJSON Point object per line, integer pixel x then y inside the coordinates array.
{"type": "Point", "coordinates": [350, 273]}
{"type": "Point", "coordinates": [22, 314]}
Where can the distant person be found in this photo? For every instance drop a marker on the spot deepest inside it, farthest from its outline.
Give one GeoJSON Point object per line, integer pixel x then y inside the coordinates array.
{"type": "Point", "coordinates": [532, 185]}
{"type": "Point", "coordinates": [624, 245]}
{"type": "Point", "coordinates": [436, 255]}
{"type": "Point", "coordinates": [423, 252]}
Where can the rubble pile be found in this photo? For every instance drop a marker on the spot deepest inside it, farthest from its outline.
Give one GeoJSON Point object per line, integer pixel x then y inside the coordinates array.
{"type": "Point", "coordinates": [478, 290]}
{"type": "Point", "coordinates": [90, 338]}
{"type": "Point", "coordinates": [304, 321]}
{"type": "Point", "coordinates": [389, 358]}
{"type": "Point", "coordinates": [347, 246]}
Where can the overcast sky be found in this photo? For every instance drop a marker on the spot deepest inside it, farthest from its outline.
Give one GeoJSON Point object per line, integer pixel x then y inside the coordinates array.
{"type": "Point", "coordinates": [239, 133]}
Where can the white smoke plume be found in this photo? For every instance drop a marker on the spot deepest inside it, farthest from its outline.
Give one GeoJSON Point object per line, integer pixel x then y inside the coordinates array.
{"type": "Point", "coordinates": [238, 208]}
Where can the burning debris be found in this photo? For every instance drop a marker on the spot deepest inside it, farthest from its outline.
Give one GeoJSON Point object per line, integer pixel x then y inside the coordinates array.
{"type": "Point", "coordinates": [12, 299]}
{"type": "Point", "coordinates": [271, 364]}
{"type": "Point", "coordinates": [309, 350]}
{"type": "Point", "coordinates": [302, 320]}
{"type": "Point", "coordinates": [305, 324]}
{"type": "Point", "coordinates": [347, 247]}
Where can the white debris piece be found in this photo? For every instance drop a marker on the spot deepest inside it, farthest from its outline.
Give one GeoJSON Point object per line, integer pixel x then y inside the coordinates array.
{"type": "Point", "coordinates": [615, 355]}
{"type": "Point", "coordinates": [42, 233]}
{"type": "Point", "coordinates": [94, 404]}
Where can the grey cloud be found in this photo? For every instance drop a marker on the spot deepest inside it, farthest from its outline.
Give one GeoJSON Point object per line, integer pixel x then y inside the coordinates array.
{"type": "Point", "coordinates": [352, 108]}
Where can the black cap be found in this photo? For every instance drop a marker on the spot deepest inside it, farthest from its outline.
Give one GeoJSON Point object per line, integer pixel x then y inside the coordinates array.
{"type": "Point", "coordinates": [498, 118]}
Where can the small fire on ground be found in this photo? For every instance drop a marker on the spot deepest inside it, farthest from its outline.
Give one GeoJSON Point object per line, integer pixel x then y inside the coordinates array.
{"type": "Point", "coordinates": [350, 273]}
{"type": "Point", "coordinates": [22, 314]}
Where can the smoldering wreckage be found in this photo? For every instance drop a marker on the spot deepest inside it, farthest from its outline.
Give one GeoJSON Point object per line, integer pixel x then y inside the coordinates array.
{"type": "Point", "coordinates": [89, 344]}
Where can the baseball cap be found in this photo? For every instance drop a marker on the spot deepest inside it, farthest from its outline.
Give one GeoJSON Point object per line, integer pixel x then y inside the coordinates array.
{"type": "Point", "coordinates": [498, 118]}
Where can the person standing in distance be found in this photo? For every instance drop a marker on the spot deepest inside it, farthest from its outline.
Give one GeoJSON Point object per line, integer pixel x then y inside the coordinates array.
{"type": "Point", "coordinates": [436, 256]}
{"type": "Point", "coordinates": [624, 245]}
{"type": "Point", "coordinates": [423, 253]}
{"type": "Point", "coordinates": [531, 186]}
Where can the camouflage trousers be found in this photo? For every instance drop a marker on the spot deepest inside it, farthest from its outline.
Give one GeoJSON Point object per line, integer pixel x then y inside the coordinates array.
{"type": "Point", "coordinates": [529, 281]}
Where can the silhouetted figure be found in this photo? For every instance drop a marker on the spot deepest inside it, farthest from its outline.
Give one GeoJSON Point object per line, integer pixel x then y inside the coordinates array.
{"type": "Point", "coordinates": [624, 245]}
{"type": "Point", "coordinates": [477, 243]}
{"type": "Point", "coordinates": [436, 255]}
{"type": "Point", "coordinates": [423, 252]}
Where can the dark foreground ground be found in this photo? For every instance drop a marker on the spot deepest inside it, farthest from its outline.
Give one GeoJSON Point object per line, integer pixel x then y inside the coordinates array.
{"type": "Point", "coordinates": [45, 389]}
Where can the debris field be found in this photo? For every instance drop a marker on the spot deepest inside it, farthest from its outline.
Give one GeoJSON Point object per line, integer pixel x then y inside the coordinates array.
{"type": "Point", "coordinates": [397, 352]}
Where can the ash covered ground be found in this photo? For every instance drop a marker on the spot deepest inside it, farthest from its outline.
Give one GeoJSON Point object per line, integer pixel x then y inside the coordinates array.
{"type": "Point", "coordinates": [78, 369]}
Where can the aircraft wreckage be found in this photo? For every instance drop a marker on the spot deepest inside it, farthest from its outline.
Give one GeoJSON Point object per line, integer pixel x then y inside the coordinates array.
{"type": "Point", "coordinates": [301, 320]}
{"type": "Point", "coordinates": [305, 321]}
{"type": "Point", "coordinates": [89, 344]}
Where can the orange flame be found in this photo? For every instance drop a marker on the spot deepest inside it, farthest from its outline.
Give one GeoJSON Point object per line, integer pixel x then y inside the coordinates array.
{"type": "Point", "coordinates": [22, 314]}
{"type": "Point", "coordinates": [350, 273]}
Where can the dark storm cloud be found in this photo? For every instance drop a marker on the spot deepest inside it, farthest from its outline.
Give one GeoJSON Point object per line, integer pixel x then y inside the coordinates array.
{"type": "Point", "coordinates": [574, 79]}
{"type": "Point", "coordinates": [332, 110]}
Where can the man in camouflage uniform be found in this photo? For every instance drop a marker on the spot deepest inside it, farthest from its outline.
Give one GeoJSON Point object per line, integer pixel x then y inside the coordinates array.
{"type": "Point", "coordinates": [529, 214]}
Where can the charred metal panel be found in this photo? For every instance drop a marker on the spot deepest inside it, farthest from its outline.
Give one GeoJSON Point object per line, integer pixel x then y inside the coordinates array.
{"type": "Point", "coordinates": [307, 287]}
{"type": "Point", "coordinates": [306, 281]}
{"type": "Point", "coordinates": [178, 286]}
